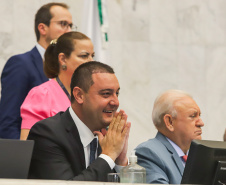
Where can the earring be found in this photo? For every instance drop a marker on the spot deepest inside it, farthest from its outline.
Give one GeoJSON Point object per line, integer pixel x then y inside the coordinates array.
{"type": "Point", "coordinates": [64, 67]}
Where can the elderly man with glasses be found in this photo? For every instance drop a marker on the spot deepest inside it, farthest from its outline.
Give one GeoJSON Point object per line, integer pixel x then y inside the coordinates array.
{"type": "Point", "coordinates": [25, 71]}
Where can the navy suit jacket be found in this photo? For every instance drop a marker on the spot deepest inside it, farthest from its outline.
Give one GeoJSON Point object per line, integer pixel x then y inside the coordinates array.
{"type": "Point", "coordinates": [163, 164]}
{"type": "Point", "coordinates": [58, 152]}
{"type": "Point", "coordinates": [21, 73]}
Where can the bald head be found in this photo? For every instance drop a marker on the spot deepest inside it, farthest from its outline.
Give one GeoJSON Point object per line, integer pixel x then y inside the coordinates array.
{"type": "Point", "coordinates": [164, 104]}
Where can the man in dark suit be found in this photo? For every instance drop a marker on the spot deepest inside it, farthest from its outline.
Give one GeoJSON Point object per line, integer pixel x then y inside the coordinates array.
{"type": "Point", "coordinates": [63, 146]}
{"type": "Point", "coordinates": [177, 118]}
{"type": "Point", "coordinates": [25, 71]}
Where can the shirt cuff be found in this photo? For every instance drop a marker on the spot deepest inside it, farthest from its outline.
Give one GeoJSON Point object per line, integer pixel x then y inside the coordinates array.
{"type": "Point", "coordinates": [118, 168]}
{"type": "Point", "coordinates": [108, 159]}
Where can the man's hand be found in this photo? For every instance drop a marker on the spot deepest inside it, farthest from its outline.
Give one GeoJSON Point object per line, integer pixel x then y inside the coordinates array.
{"type": "Point", "coordinates": [115, 142]}
{"type": "Point", "coordinates": [122, 159]}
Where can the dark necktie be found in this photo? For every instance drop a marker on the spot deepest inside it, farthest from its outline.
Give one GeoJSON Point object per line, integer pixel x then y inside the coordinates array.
{"type": "Point", "coordinates": [93, 148]}
{"type": "Point", "coordinates": [185, 158]}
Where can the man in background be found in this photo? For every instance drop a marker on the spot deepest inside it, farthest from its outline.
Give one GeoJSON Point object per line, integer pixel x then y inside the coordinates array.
{"type": "Point", "coordinates": [24, 71]}
{"type": "Point", "coordinates": [177, 118]}
{"type": "Point", "coordinates": [66, 146]}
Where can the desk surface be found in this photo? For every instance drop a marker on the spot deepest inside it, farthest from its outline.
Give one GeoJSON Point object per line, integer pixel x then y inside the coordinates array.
{"type": "Point", "coordinates": [53, 182]}
{"type": "Point", "coordinates": [47, 182]}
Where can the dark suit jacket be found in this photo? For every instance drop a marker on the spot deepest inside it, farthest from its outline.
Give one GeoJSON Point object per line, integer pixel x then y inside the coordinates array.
{"type": "Point", "coordinates": [163, 164]}
{"type": "Point", "coordinates": [59, 154]}
{"type": "Point", "coordinates": [20, 74]}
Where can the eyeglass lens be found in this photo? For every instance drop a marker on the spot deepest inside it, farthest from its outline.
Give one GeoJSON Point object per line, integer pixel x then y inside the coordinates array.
{"type": "Point", "coordinates": [65, 24]}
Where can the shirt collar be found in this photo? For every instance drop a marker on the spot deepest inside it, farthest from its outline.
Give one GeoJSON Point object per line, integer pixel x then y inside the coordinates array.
{"type": "Point", "coordinates": [176, 147]}
{"type": "Point", "coordinates": [85, 133]}
{"type": "Point", "coordinates": [41, 50]}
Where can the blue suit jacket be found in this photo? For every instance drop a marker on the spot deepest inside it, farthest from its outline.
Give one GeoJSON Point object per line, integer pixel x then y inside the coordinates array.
{"type": "Point", "coordinates": [20, 74]}
{"type": "Point", "coordinates": [162, 163]}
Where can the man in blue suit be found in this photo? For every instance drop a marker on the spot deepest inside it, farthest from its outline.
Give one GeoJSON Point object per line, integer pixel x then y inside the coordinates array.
{"type": "Point", "coordinates": [24, 71]}
{"type": "Point", "coordinates": [177, 118]}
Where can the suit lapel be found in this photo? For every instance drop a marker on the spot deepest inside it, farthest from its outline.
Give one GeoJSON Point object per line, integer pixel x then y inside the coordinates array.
{"type": "Point", "coordinates": [175, 157]}
{"type": "Point", "coordinates": [74, 139]}
{"type": "Point", "coordinates": [38, 62]}
{"type": "Point", "coordinates": [178, 162]}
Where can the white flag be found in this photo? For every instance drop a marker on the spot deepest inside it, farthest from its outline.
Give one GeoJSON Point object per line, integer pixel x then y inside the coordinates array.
{"type": "Point", "coordinates": [95, 26]}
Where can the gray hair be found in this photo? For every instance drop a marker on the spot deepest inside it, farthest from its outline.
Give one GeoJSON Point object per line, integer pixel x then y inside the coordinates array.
{"type": "Point", "coordinates": [164, 104]}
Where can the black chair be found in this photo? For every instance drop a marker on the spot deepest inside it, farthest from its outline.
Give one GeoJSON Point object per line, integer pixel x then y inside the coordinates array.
{"type": "Point", "coordinates": [15, 158]}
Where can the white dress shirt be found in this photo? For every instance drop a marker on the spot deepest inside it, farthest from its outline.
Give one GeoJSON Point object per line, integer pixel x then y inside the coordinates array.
{"type": "Point", "coordinates": [41, 50]}
{"type": "Point", "coordinates": [86, 137]}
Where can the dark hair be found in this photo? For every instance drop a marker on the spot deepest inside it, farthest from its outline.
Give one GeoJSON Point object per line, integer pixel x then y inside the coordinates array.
{"type": "Point", "coordinates": [64, 44]}
{"type": "Point", "coordinates": [82, 76]}
{"type": "Point", "coordinates": [43, 15]}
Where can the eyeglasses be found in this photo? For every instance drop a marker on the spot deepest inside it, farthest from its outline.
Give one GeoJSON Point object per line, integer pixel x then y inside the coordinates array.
{"type": "Point", "coordinates": [64, 25]}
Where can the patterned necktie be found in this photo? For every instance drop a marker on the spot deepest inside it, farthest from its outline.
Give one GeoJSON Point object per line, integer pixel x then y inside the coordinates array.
{"type": "Point", "coordinates": [93, 148]}
{"type": "Point", "coordinates": [185, 158]}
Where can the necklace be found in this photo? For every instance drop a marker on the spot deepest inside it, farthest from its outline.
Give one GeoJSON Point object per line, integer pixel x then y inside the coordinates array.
{"type": "Point", "coordinates": [64, 89]}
